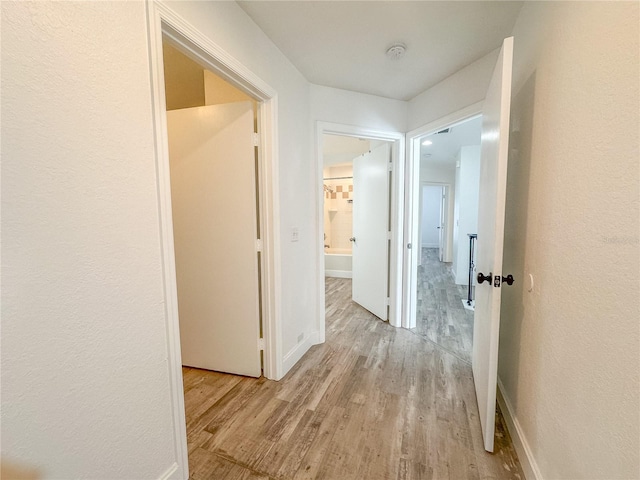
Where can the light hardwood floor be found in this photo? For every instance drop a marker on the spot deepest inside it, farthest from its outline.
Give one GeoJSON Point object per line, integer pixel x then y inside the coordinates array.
{"type": "Point", "coordinates": [441, 317]}
{"type": "Point", "coordinates": [373, 402]}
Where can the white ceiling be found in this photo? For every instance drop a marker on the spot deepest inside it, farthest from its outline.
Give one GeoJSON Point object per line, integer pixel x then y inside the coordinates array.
{"type": "Point", "coordinates": [342, 44]}
{"type": "Point", "coordinates": [445, 146]}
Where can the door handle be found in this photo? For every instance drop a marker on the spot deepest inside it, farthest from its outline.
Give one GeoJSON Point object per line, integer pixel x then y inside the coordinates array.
{"type": "Point", "coordinates": [508, 279]}
{"type": "Point", "coordinates": [352, 239]}
{"type": "Point", "coordinates": [485, 278]}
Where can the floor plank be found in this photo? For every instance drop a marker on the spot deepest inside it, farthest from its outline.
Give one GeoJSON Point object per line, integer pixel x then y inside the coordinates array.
{"type": "Point", "coordinates": [372, 402]}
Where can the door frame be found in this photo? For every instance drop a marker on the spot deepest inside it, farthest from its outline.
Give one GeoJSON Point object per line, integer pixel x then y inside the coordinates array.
{"type": "Point", "coordinates": [411, 201]}
{"type": "Point", "coordinates": [163, 22]}
{"type": "Point", "coordinates": [396, 215]}
{"type": "Point", "coordinates": [447, 203]}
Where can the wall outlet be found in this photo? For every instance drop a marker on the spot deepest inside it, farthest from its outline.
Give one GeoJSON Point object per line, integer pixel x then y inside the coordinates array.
{"type": "Point", "coordinates": [295, 234]}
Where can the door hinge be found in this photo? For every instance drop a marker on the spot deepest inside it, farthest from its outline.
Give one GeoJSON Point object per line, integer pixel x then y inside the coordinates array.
{"type": "Point", "coordinates": [387, 302]}
{"type": "Point", "coordinates": [255, 138]}
{"type": "Point", "coordinates": [391, 166]}
{"type": "Point", "coordinates": [258, 245]}
{"type": "Point", "coordinates": [388, 235]}
{"type": "Point", "coordinates": [261, 344]}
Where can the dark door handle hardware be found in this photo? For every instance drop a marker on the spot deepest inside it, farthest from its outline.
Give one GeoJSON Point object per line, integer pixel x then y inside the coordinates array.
{"type": "Point", "coordinates": [352, 239]}
{"type": "Point", "coordinates": [508, 279]}
{"type": "Point", "coordinates": [485, 278]}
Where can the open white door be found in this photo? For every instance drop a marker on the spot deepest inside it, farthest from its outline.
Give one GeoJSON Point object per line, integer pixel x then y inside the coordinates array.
{"type": "Point", "coordinates": [213, 195]}
{"type": "Point", "coordinates": [493, 183]}
{"type": "Point", "coordinates": [371, 229]}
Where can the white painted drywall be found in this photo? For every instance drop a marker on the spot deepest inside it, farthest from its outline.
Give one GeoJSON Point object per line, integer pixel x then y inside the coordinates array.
{"type": "Point", "coordinates": [465, 210]}
{"type": "Point", "coordinates": [460, 90]}
{"type": "Point", "coordinates": [445, 174]}
{"type": "Point", "coordinates": [569, 350]}
{"type": "Point", "coordinates": [85, 381]}
{"type": "Point", "coordinates": [430, 216]}
{"type": "Point", "coordinates": [359, 109]}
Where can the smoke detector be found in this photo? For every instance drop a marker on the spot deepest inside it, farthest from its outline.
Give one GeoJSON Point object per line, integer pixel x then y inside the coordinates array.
{"type": "Point", "coordinates": [396, 51]}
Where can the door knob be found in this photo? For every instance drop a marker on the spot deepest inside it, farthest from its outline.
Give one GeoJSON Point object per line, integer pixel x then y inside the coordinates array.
{"type": "Point", "coordinates": [485, 278]}
{"type": "Point", "coordinates": [508, 279]}
{"type": "Point", "coordinates": [352, 239]}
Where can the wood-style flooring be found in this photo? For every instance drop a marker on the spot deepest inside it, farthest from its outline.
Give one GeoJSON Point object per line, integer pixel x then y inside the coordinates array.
{"type": "Point", "coordinates": [441, 317]}
{"type": "Point", "coordinates": [372, 402]}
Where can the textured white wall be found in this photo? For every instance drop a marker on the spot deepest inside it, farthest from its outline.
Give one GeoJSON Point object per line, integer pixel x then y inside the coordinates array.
{"type": "Point", "coordinates": [460, 90]}
{"type": "Point", "coordinates": [569, 350]}
{"type": "Point", "coordinates": [359, 109]}
{"type": "Point", "coordinates": [84, 355]}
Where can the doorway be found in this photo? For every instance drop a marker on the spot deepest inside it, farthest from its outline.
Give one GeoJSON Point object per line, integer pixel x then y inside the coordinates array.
{"type": "Point", "coordinates": [448, 211]}
{"type": "Point", "coordinates": [166, 26]}
{"type": "Point", "coordinates": [393, 173]}
{"type": "Point", "coordinates": [357, 198]}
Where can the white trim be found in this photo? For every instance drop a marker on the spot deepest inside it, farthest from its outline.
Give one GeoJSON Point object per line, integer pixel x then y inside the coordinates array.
{"type": "Point", "coordinates": [296, 353]}
{"type": "Point", "coordinates": [525, 455]}
{"type": "Point", "coordinates": [191, 41]}
{"type": "Point", "coordinates": [338, 273]}
{"type": "Point", "coordinates": [411, 199]}
{"type": "Point", "coordinates": [170, 473]}
{"type": "Point", "coordinates": [162, 21]}
{"type": "Point", "coordinates": [397, 217]}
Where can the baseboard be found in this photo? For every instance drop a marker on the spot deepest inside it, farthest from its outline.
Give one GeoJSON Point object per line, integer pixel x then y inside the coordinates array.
{"type": "Point", "coordinates": [525, 455]}
{"type": "Point", "coordinates": [171, 473]}
{"type": "Point", "coordinates": [296, 353]}
{"type": "Point", "coordinates": [338, 273]}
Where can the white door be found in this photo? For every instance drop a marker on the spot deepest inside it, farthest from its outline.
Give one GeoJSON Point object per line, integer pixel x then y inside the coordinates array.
{"type": "Point", "coordinates": [370, 230]}
{"type": "Point", "coordinates": [493, 183]}
{"type": "Point", "coordinates": [441, 225]}
{"type": "Point", "coordinates": [213, 195]}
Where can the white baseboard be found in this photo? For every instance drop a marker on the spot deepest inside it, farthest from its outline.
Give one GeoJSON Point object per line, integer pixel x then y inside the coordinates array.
{"type": "Point", "coordinates": [296, 353]}
{"type": "Point", "coordinates": [525, 455]}
{"type": "Point", "coordinates": [338, 273]}
{"type": "Point", "coordinates": [171, 473]}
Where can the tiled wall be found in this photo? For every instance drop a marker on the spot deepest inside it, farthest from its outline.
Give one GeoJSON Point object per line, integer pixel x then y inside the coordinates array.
{"type": "Point", "coordinates": [338, 210]}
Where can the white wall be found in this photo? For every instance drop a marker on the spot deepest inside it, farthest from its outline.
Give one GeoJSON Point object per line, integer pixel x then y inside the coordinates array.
{"type": "Point", "coordinates": [84, 355]}
{"type": "Point", "coordinates": [445, 174]}
{"type": "Point", "coordinates": [569, 350]}
{"type": "Point", "coordinates": [358, 109]}
{"type": "Point", "coordinates": [430, 216]}
{"type": "Point", "coordinates": [462, 89]}
{"type": "Point", "coordinates": [466, 209]}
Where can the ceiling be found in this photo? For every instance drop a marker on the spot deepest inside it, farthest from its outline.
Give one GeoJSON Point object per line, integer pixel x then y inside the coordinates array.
{"type": "Point", "coordinates": [445, 146]}
{"type": "Point", "coordinates": [342, 44]}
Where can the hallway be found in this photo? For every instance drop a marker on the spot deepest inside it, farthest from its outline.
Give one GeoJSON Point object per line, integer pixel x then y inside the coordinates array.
{"type": "Point", "coordinates": [441, 317]}
{"type": "Point", "coordinates": [373, 402]}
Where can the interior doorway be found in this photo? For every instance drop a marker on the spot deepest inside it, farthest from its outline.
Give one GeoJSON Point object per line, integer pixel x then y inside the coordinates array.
{"type": "Point", "coordinates": [341, 145]}
{"type": "Point", "coordinates": [448, 208]}
{"type": "Point", "coordinates": [357, 198]}
{"type": "Point", "coordinates": [214, 198]}
{"type": "Point", "coordinates": [167, 27]}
